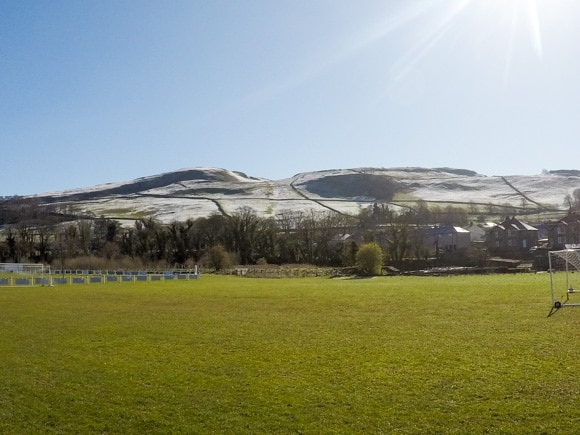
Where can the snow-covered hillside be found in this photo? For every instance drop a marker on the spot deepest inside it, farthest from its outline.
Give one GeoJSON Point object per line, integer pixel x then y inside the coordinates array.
{"type": "Point", "coordinates": [199, 192]}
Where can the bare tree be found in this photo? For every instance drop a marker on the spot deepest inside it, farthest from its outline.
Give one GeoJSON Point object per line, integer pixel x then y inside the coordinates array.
{"type": "Point", "coordinates": [398, 241]}
{"type": "Point", "coordinates": [242, 234]}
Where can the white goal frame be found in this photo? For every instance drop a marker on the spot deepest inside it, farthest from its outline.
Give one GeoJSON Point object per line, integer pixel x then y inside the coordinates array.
{"type": "Point", "coordinates": [25, 275]}
{"type": "Point", "coordinates": [570, 257]}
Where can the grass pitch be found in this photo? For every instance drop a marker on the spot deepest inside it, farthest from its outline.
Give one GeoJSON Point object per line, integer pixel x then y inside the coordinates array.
{"type": "Point", "coordinates": [238, 355]}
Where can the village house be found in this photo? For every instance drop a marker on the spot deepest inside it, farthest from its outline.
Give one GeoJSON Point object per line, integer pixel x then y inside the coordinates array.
{"type": "Point", "coordinates": [512, 238]}
{"type": "Point", "coordinates": [562, 233]}
{"type": "Point", "coordinates": [442, 239]}
{"type": "Point", "coordinates": [479, 231]}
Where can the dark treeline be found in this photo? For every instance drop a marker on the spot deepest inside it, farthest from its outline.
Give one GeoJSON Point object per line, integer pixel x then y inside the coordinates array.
{"type": "Point", "coordinates": [58, 237]}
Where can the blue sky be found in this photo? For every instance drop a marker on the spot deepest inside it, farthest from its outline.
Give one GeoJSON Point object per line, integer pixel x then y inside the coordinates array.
{"type": "Point", "coordinates": [110, 90]}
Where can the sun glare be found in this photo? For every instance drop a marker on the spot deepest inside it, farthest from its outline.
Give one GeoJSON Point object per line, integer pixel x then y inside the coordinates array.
{"type": "Point", "coordinates": [523, 14]}
{"type": "Point", "coordinates": [524, 25]}
{"type": "Point", "coordinates": [517, 28]}
{"type": "Point", "coordinates": [515, 25]}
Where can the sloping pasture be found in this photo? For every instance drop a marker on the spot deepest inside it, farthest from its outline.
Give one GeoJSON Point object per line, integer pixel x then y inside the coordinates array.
{"type": "Point", "coordinates": [313, 355]}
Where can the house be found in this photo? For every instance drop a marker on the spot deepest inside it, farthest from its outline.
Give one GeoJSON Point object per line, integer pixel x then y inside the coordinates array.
{"type": "Point", "coordinates": [512, 238]}
{"type": "Point", "coordinates": [564, 232]}
{"type": "Point", "coordinates": [479, 231]}
{"type": "Point", "coordinates": [441, 239]}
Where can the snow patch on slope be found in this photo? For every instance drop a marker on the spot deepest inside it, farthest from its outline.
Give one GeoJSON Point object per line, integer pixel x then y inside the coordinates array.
{"type": "Point", "coordinates": [199, 192]}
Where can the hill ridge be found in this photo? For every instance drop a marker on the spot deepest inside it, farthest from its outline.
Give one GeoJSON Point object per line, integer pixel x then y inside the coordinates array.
{"type": "Point", "coordinates": [201, 191]}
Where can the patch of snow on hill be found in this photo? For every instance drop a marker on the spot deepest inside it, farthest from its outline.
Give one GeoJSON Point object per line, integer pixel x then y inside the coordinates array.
{"type": "Point", "coordinates": [546, 189]}
{"type": "Point", "coordinates": [198, 192]}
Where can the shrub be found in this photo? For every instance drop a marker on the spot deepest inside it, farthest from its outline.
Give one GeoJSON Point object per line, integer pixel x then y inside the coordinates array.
{"type": "Point", "coordinates": [218, 258]}
{"type": "Point", "coordinates": [369, 259]}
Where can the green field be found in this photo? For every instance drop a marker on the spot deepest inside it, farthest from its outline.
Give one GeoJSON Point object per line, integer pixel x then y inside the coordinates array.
{"type": "Point", "coordinates": [238, 355]}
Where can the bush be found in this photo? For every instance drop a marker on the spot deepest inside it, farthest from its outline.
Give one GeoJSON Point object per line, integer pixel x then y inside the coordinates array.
{"type": "Point", "coordinates": [218, 258]}
{"type": "Point", "coordinates": [90, 262]}
{"type": "Point", "coordinates": [369, 259]}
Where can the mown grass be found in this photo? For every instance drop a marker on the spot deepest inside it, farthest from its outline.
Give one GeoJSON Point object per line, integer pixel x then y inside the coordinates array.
{"type": "Point", "coordinates": [315, 355]}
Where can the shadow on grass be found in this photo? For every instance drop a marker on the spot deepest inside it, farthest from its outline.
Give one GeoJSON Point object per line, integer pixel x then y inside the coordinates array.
{"type": "Point", "coordinates": [360, 277]}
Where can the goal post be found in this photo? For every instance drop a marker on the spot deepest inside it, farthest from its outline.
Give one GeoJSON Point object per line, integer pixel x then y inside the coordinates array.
{"type": "Point", "coordinates": [562, 265]}
{"type": "Point", "coordinates": [24, 274]}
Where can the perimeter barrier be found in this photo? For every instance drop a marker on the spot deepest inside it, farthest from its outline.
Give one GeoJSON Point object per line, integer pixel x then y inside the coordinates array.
{"type": "Point", "coordinates": [85, 277]}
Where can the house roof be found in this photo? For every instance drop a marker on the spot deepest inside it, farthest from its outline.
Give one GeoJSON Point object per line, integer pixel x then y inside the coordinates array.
{"type": "Point", "coordinates": [516, 224]}
{"type": "Point", "coordinates": [528, 227]}
{"type": "Point", "coordinates": [437, 231]}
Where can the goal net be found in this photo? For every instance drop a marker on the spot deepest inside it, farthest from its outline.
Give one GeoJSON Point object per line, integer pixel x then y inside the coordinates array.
{"type": "Point", "coordinates": [24, 274]}
{"type": "Point", "coordinates": [563, 267]}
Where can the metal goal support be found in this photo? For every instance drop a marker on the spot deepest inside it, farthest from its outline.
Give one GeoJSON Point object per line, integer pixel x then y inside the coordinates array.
{"type": "Point", "coordinates": [560, 261]}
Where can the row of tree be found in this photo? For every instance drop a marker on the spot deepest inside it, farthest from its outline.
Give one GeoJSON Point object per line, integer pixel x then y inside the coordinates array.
{"type": "Point", "coordinates": [51, 236]}
{"type": "Point", "coordinates": [292, 238]}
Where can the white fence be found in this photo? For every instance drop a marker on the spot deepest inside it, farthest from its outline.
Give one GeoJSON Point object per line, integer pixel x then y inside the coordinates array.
{"type": "Point", "coordinates": [75, 277]}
